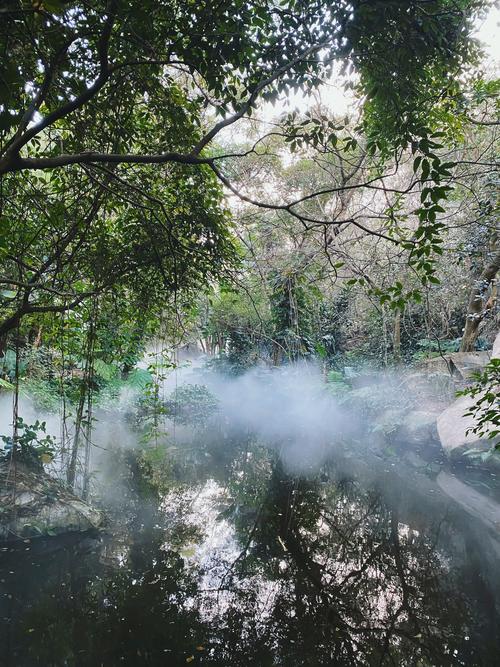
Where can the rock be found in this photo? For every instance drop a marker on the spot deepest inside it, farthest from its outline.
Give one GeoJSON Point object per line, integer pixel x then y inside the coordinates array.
{"type": "Point", "coordinates": [430, 385]}
{"type": "Point", "coordinates": [460, 365]}
{"type": "Point", "coordinates": [389, 422]}
{"type": "Point", "coordinates": [416, 437]}
{"type": "Point", "coordinates": [35, 504]}
{"type": "Point", "coordinates": [420, 426]}
{"type": "Point", "coordinates": [452, 425]}
{"type": "Point", "coordinates": [476, 504]}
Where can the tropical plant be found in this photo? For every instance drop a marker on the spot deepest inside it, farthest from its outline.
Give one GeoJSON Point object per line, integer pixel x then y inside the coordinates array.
{"type": "Point", "coordinates": [30, 444]}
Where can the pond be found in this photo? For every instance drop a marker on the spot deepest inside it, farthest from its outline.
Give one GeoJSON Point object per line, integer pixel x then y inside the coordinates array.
{"type": "Point", "coordinates": [236, 561]}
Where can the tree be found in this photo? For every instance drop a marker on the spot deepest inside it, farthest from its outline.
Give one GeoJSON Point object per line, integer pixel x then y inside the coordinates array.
{"type": "Point", "coordinates": [81, 238]}
{"type": "Point", "coordinates": [482, 299]}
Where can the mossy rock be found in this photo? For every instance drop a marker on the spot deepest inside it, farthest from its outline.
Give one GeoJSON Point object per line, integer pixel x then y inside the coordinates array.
{"type": "Point", "coordinates": [35, 504]}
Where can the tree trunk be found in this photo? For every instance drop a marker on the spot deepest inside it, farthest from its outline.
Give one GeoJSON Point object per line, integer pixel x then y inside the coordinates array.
{"type": "Point", "coordinates": [384, 334]}
{"type": "Point", "coordinates": [71, 473]}
{"type": "Point", "coordinates": [477, 309]}
{"type": "Point", "coordinates": [88, 445]}
{"type": "Point", "coordinates": [85, 399]}
{"type": "Point", "coordinates": [396, 337]}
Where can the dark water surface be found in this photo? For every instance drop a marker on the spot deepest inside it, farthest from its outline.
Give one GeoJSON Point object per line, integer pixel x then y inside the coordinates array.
{"type": "Point", "coordinates": [249, 566]}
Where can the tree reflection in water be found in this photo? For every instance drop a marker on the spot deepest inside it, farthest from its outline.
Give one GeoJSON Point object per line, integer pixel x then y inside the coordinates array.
{"type": "Point", "coordinates": [257, 569]}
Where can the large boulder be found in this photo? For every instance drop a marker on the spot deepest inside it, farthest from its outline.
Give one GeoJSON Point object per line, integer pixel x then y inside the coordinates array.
{"type": "Point", "coordinates": [454, 427]}
{"type": "Point", "coordinates": [34, 504]}
{"type": "Point", "coordinates": [459, 365]}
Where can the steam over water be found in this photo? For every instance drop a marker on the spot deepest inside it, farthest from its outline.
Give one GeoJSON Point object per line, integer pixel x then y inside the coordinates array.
{"type": "Point", "coordinates": [289, 409]}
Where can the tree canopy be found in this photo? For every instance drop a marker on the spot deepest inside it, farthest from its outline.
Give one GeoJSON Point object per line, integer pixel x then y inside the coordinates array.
{"type": "Point", "coordinates": [163, 67]}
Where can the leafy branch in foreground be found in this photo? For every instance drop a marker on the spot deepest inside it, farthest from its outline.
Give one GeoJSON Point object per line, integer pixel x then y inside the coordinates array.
{"type": "Point", "coordinates": [486, 409]}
